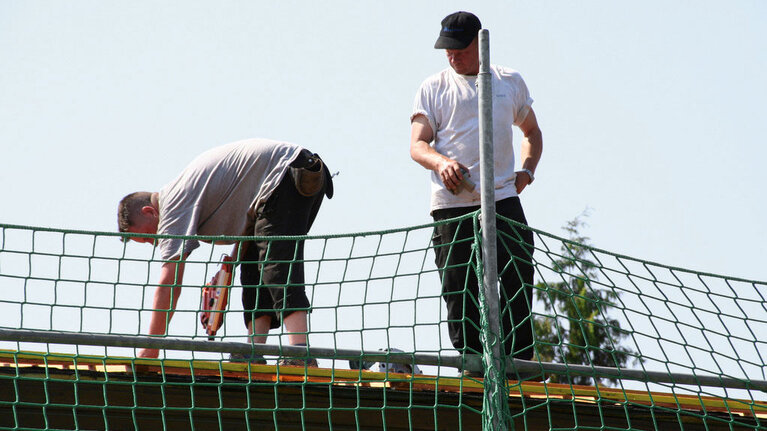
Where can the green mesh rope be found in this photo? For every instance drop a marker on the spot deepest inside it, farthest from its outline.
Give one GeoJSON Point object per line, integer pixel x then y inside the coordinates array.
{"type": "Point", "coordinates": [620, 343]}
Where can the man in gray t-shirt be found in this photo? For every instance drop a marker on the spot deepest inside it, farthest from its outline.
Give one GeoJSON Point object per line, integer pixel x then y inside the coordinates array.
{"type": "Point", "coordinates": [252, 187]}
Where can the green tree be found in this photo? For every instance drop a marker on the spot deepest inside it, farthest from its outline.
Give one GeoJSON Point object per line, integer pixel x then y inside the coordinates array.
{"type": "Point", "coordinates": [576, 326]}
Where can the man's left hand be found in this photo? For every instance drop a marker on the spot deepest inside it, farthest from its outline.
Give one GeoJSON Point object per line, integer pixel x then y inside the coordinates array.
{"type": "Point", "coordinates": [522, 180]}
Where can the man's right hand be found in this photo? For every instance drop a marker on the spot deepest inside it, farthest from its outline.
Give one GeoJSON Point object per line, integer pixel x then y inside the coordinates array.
{"type": "Point", "coordinates": [421, 135]}
{"type": "Point", "coordinates": [148, 353]}
{"type": "Point", "coordinates": [449, 171]}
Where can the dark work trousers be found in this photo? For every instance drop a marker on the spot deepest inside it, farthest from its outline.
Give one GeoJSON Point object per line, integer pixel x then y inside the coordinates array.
{"type": "Point", "coordinates": [275, 285]}
{"type": "Point", "coordinates": [455, 261]}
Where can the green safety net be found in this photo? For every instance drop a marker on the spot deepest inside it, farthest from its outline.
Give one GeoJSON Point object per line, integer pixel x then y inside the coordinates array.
{"type": "Point", "coordinates": [620, 343]}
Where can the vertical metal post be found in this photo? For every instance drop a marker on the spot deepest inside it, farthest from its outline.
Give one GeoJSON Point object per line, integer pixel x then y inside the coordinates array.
{"type": "Point", "coordinates": [495, 394]}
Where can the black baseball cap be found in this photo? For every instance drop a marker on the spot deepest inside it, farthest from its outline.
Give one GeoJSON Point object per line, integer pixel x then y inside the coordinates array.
{"type": "Point", "coordinates": [458, 30]}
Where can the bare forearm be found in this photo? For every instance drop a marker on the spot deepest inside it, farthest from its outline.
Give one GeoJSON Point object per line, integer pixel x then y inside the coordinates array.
{"type": "Point", "coordinates": [448, 170]}
{"type": "Point", "coordinates": [532, 146]}
{"type": "Point", "coordinates": [531, 150]}
{"type": "Point", "coordinates": [162, 301]}
{"type": "Point", "coordinates": [426, 156]}
{"type": "Point", "coordinates": [165, 297]}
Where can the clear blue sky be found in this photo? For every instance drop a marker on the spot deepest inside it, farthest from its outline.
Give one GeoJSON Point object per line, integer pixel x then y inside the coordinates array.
{"type": "Point", "coordinates": [652, 112]}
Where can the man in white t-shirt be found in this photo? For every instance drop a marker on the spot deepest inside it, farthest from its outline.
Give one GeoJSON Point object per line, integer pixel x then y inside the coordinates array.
{"type": "Point", "coordinates": [251, 187]}
{"type": "Point", "coordinates": [445, 140]}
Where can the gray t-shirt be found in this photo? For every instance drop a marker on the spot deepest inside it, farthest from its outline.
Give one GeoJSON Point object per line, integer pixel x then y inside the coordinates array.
{"type": "Point", "coordinates": [215, 193]}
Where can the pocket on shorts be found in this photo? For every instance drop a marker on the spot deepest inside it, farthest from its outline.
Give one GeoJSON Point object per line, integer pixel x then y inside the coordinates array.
{"type": "Point", "coordinates": [436, 238]}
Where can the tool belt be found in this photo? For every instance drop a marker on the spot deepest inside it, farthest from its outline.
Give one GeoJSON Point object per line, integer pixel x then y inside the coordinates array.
{"type": "Point", "coordinates": [310, 174]}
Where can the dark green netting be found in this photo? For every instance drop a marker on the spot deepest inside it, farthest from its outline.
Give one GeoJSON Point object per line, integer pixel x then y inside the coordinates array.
{"type": "Point", "coordinates": [621, 343]}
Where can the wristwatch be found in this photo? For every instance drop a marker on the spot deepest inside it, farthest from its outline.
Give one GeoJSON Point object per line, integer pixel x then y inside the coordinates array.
{"type": "Point", "coordinates": [529, 173]}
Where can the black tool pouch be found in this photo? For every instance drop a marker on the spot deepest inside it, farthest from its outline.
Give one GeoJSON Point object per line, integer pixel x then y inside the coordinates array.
{"type": "Point", "coordinates": [308, 173]}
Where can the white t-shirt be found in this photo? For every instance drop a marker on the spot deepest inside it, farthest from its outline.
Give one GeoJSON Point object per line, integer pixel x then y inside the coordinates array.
{"type": "Point", "coordinates": [449, 102]}
{"type": "Point", "coordinates": [213, 195]}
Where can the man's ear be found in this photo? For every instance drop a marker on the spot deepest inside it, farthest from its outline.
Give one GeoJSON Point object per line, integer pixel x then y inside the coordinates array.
{"type": "Point", "coordinates": [148, 211]}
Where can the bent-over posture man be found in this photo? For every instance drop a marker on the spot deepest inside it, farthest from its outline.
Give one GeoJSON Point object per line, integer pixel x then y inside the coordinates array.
{"type": "Point", "coordinates": [445, 140]}
{"type": "Point", "coordinates": [252, 187]}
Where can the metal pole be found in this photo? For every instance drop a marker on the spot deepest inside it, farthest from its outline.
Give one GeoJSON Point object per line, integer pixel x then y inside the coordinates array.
{"type": "Point", "coordinates": [138, 341]}
{"type": "Point", "coordinates": [495, 393]}
{"type": "Point", "coordinates": [143, 341]}
{"type": "Point", "coordinates": [660, 377]}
